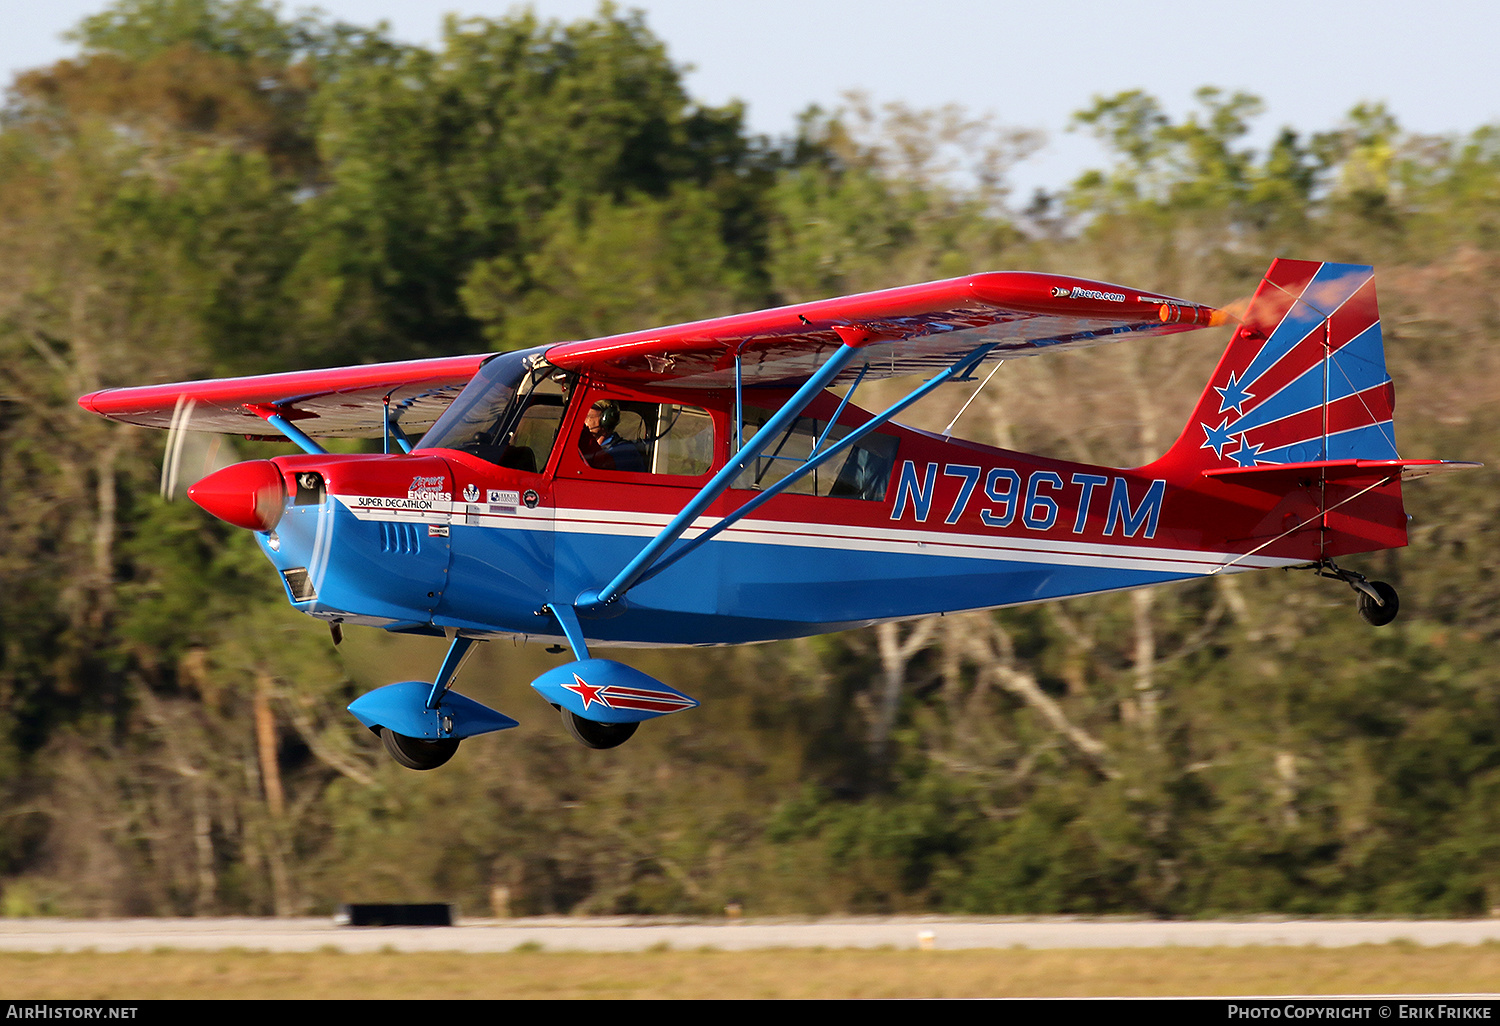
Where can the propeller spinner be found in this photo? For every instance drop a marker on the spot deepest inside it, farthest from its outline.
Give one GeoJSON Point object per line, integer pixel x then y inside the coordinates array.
{"type": "Point", "coordinates": [251, 495]}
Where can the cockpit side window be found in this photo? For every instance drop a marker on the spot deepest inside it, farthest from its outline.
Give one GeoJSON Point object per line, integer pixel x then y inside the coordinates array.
{"type": "Point", "coordinates": [684, 440]}
{"type": "Point", "coordinates": [642, 437]}
{"type": "Point", "coordinates": [540, 418]}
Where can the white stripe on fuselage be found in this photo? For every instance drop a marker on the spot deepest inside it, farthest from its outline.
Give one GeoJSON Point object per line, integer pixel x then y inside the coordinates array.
{"type": "Point", "coordinates": [841, 537]}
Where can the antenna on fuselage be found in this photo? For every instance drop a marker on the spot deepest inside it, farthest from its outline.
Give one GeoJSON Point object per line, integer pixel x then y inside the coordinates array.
{"type": "Point", "coordinates": [948, 431]}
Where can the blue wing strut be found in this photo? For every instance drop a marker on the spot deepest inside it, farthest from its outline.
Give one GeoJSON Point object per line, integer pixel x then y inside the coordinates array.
{"type": "Point", "coordinates": [653, 558]}
{"type": "Point", "coordinates": [273, 416]}
{"type": "Point", "coordinates": [817, 459]}
{"type": "Point", "coordinates": [593, 601]}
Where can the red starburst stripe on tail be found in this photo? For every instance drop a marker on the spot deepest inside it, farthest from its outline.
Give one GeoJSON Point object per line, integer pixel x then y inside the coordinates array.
{"type": "Point", "coordinates": [1344, 414]}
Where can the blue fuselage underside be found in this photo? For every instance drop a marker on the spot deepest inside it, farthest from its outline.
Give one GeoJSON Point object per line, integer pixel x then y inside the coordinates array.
{"type": "Point", "coordinates": [487, 580]}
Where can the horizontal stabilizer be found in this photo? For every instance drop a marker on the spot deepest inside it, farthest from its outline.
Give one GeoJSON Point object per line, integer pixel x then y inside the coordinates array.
{"type": "Point", "coordinates": [1283, 477]}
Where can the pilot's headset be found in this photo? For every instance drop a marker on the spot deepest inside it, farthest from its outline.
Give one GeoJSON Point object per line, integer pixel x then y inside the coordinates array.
{"type": "Point", "coordinates": [609, 415]}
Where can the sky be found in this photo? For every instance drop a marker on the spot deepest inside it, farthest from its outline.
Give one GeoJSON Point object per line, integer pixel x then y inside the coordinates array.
{"type": "Point", "coordinates": [1031, 64]}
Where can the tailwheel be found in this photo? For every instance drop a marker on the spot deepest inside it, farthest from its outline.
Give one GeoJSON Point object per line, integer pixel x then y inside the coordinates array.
{"type": "Point", "coordinates": [415, 753]}
{"type": "Point", "coordinates": [1381, 611]}
{"type": "Point", "coordinates": [591, 734]}
{"type": "Point", "coordinates": [1377, 601]}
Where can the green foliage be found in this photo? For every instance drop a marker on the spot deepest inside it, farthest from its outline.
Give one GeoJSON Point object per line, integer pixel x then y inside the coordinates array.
{"type": "Point", "coordinates": [437, 162]}
{"type": "Point", "coordinates": [140, 29]}
{"type": "Point", "coordinates": [639, 262]}
{"type": "Point", "coordinates": [873, 199]}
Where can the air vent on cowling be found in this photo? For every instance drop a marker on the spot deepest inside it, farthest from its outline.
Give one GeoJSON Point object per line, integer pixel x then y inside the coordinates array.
{"type": "Point", "coordinates": [299, 584]}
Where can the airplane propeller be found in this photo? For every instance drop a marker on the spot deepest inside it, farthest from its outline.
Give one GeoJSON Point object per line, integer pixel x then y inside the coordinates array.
{"type": "Point", "coordinates": [205, 452]}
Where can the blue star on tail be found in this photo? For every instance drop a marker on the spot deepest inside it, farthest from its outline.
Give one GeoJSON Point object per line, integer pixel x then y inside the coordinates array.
{"type": "Point", "coordinates": [1246, 455]}
{"type": "Point", "coordinates": [1216, 438]}
{"type": "Point", "coordinates": [1234, 395]}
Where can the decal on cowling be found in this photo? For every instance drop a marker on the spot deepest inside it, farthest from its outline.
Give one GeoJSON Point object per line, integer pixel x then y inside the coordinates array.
{"type": "Point", "coordinates": [429, 488]}
{"type": "Point", "coordinates": [419, 504]}
{"type": "Point", "coordinates": [430, 509]}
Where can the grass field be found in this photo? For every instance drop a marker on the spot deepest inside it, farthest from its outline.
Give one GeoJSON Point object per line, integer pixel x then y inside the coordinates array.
{"type": "Point", "coordinates": [1402, 968]}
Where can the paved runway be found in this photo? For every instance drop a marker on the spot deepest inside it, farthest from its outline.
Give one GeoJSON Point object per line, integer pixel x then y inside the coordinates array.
{"type": "Point", "coordinates": [638, 934]}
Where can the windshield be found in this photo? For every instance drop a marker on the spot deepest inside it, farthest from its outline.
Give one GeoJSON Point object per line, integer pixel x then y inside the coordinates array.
{"type": "Point", "coordinates": [481, 403]}
{"type": "Point", "coordinates": [483, 419]}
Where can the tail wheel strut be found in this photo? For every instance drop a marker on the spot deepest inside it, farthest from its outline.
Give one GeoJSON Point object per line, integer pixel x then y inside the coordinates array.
{"type": "Point", "coordinates": [1376, 601]}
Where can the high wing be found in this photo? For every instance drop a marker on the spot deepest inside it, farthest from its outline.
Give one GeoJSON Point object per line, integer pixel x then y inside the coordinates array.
{"type": "Point", "coordinates": [910, 330]}
{"type": "Point", "coordinates": [341, 402]}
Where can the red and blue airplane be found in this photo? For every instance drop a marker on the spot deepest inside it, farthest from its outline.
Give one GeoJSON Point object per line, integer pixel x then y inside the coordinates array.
{"type": "Point", "coordinates": [704, 483]}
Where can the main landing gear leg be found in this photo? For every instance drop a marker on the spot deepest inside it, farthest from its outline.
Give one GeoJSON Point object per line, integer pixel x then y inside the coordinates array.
{"type": "Point", "coordinates": [1377, 601]}
{"type": "Point", "coordinates": [587, 732]}
{"type": "Point", "coordinates": [423, 754]}
{"type": "Point", "coordinates": [602, 702]}
{"type": "Point", "coordinates": [420, 722]}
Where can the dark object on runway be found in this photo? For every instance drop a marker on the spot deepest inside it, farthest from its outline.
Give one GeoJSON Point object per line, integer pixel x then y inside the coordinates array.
{"type": "Point", "coordinates": [395, 915]}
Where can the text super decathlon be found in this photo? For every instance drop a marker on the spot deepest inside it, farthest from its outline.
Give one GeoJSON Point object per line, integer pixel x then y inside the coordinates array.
{"type": "Point", "coordinates": [703, 484]}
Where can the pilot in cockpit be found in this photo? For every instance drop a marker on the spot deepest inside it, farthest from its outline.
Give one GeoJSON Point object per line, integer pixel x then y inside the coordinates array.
{"type": "Point", "coordinates": [601, 444]}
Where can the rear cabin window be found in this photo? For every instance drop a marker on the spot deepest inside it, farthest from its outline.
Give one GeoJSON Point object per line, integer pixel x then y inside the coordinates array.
{"type": "Point", "coordinates": [647, 438]}
{"type": "Point", "coordinates": [861, 472]}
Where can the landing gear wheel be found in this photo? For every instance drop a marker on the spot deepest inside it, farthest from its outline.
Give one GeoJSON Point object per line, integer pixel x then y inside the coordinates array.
{"type": "Point", "coordinates": [415, 753]}
{"type": "Point", "coordinates": [597, 735]}
{"type": "Point", "coordinates": [1378, 614]}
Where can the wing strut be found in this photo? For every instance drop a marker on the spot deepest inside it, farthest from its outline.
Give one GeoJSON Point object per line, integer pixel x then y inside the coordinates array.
{"type": "Point", "coordinates": [274, 416]}
{"type": "Point", "coordinates": [592, 601]}
{"type": "Point", "coordinates": [963, 366]}
{"type": "Point", "coordinates": [653, 559]}
{"type": "Point", "coordinates": [390, 429]}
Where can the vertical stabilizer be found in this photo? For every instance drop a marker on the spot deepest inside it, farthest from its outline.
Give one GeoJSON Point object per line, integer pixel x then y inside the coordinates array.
{"type": "Point", "coordinates": [1303, 379]}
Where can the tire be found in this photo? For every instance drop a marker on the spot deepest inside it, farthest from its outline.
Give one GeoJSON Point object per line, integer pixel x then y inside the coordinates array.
{"type": "Point", "coordinates": [1377, 615]}
{"type": "Point", "coordinates": [414, 753]}
{"type": "Point", "coordinates": [597, 735]}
